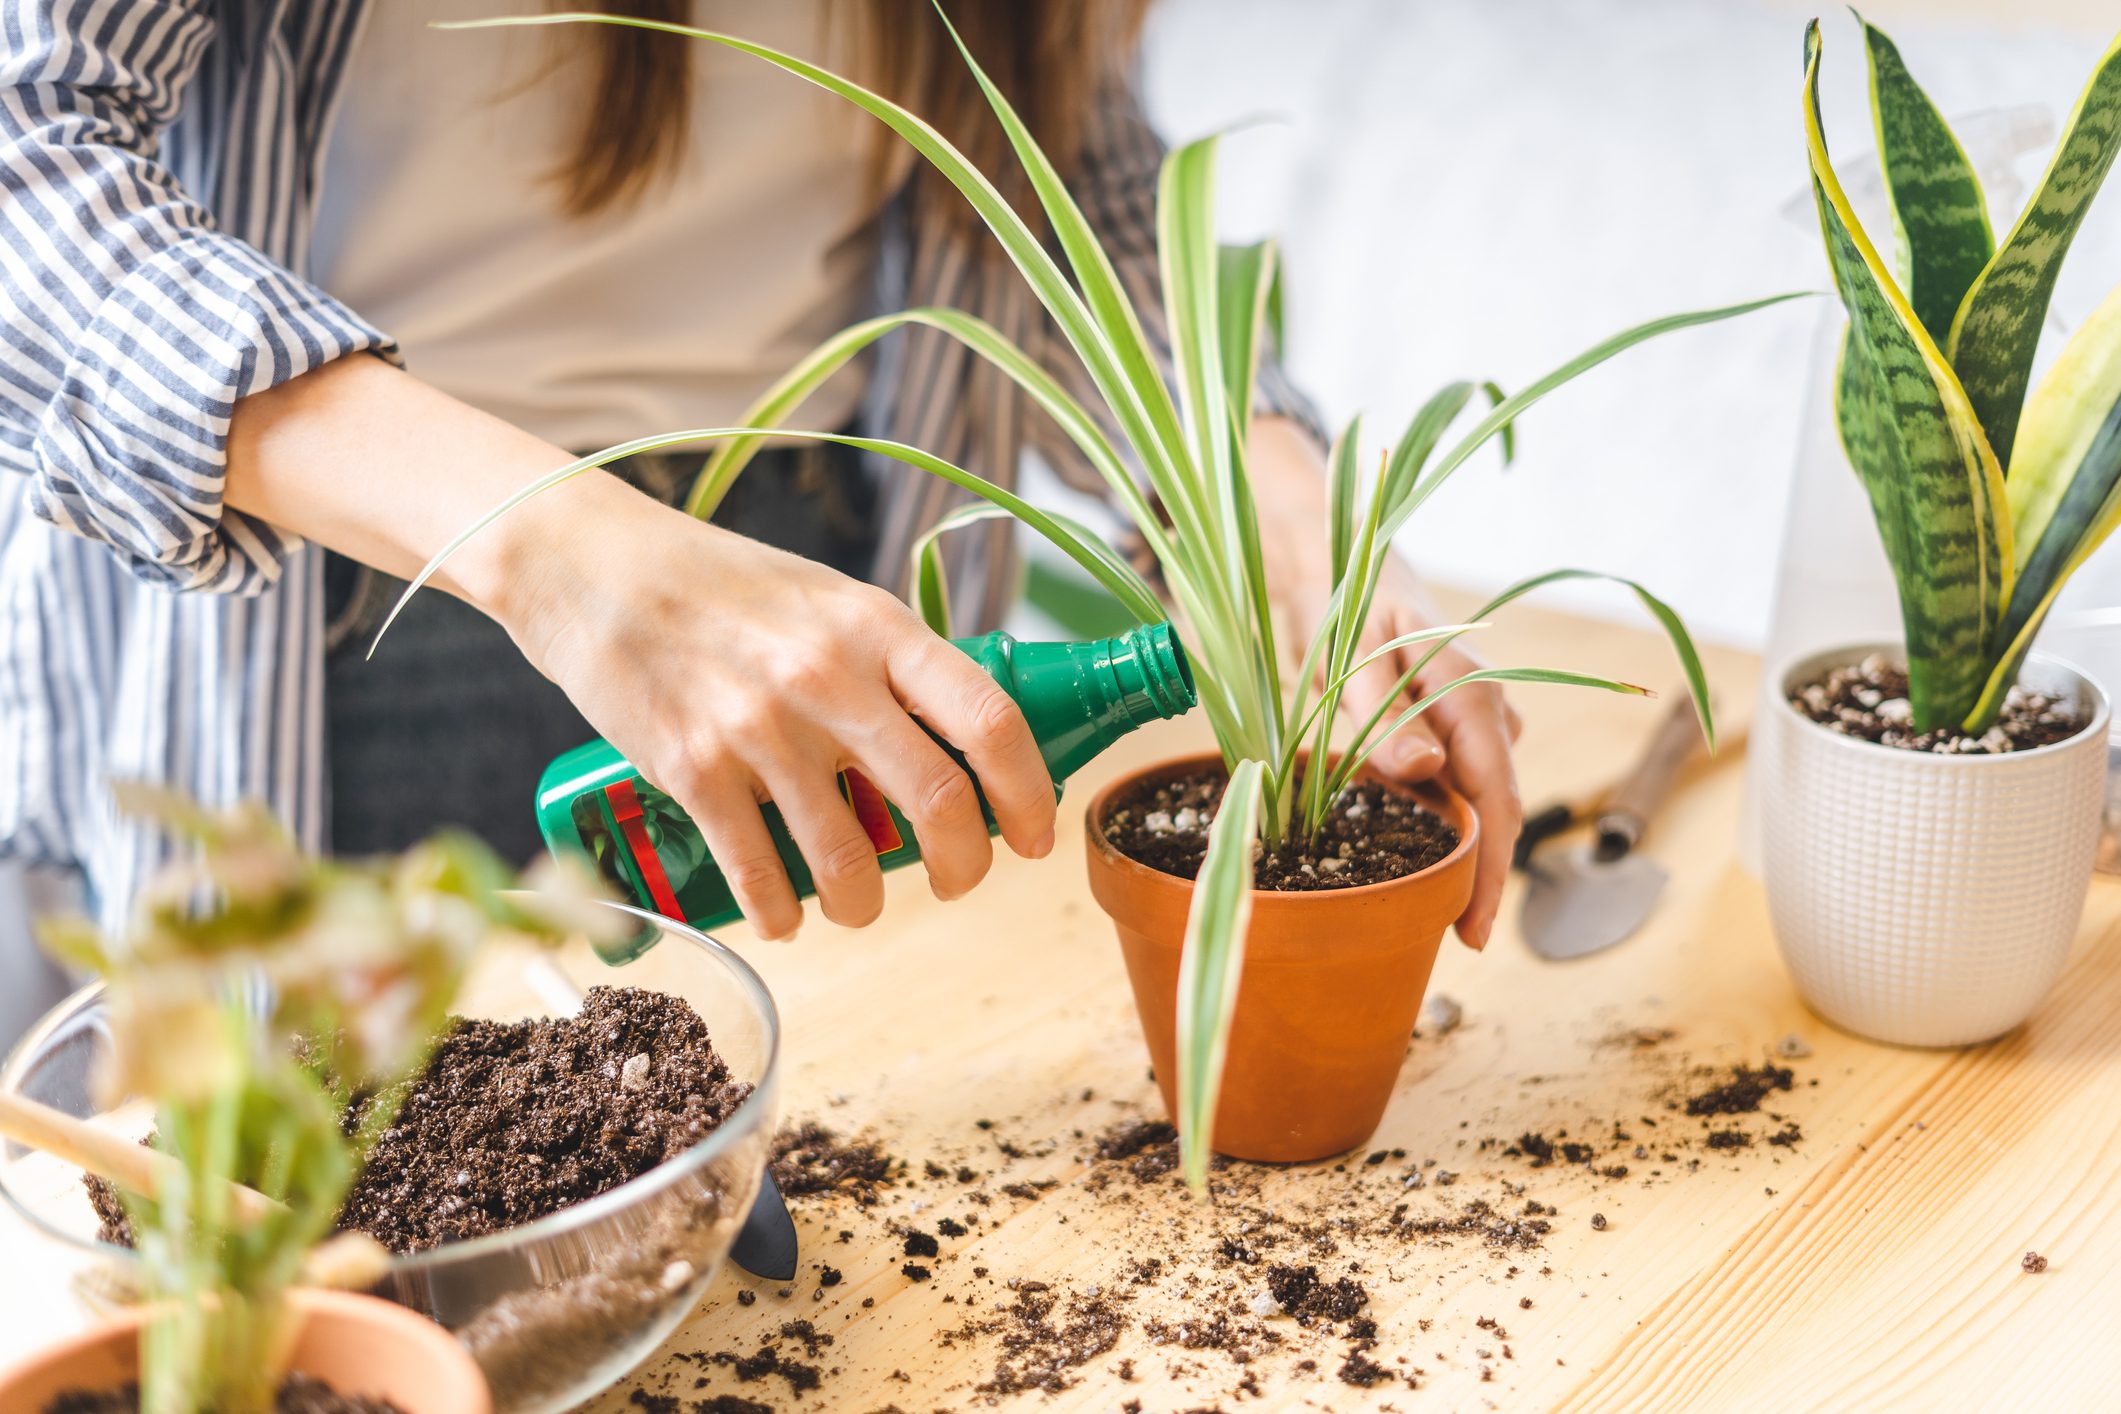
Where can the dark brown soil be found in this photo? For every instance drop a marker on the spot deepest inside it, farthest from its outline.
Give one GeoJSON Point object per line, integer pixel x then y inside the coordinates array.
{"type": "Point", "coordinates": [1042, 1345]}
{"type": "Point", "coordinates": [299, 1394]}
{"type": "Point", "coordinates": [512, 1121]}
{"type": "Point", "coordinates": [1371, 834]}
{"type": "Point", "coordinates": [1742, 1092]}
{"type": "Point", "coordinates": [809, 1159]}
{"type": "Point", "coordinates": [1869, 700]}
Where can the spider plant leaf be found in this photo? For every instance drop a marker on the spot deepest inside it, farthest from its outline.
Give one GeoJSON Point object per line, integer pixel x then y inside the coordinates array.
{"type": "Point", "coordinates": [931, 582]}
{"type": "Point", "coordinates": [1247, 282]}
{"type": "Point", "coordinates": [1191, 270]}
{"type": "Point", "coordinates": [1937, 204]}
{"type": "Point", "coordinates": [1424, 430]}
{"type": "Point", "coordinates": [1507, 434]}
{"type": "Point", "coordinates": [1086, 550]}
{"type": "Point", "coordinates": [1341, 478]}
{"type": "Point", "coordinates": [1512, 407]}
{"type": "Point", "coordinates": [1124, 372]}
{"type": "Point", "coordinates": [1211, 966]}
{"type": "Point", "coordinates": [1354, 760]}
{"type": "Point", "coordinates": [1912, 436]}
{"type": "Point", "coordinates": [1997, 328]}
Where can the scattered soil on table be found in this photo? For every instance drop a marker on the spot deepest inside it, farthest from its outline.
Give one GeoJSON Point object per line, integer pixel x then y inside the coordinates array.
{"type": "Point", "coordinates": [1042, 1340]}
{"type": "Point", "coordinates": [809, 1159]}
{"type": "Point", "coordinates": [299, 1394]}
{"type": "Point", "coordinates": [1869, 700]}
{"type": "Point", "coordinates": [1371, 834]}
{"type": "Point", "coordinates": [1296, 1285]}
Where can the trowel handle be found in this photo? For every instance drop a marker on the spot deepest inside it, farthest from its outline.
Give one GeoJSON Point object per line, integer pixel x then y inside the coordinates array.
{"type": "Point", "coordinates": [1626, 812]}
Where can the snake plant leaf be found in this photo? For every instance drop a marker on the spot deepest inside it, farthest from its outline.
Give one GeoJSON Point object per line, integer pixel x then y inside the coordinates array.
{"type": "Point", "coordinates": [1210, 966]}
{"type": "Point", "coordinates": [2088, 513]}
{"type": "Point", "coordinates": [2062, 419]}
{"type": "Point", "coordinates": [1914, 441]}
{"type": "Point", "coordinates": [1937, 204]}
{"type": "Point", "coordinates": [1998, 326]}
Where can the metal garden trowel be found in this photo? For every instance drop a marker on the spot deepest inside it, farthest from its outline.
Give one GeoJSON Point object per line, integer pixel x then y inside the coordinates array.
{"type": "Point", "coordinates": [1586, 896]}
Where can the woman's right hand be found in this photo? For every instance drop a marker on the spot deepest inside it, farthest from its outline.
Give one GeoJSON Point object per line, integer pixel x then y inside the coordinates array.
{"type": "Point", "coordinates": [732, 673]}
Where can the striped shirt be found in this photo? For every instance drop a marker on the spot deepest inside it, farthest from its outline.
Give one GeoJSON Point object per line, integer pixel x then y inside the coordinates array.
{"type": "Point", "coordinates": [159, 162]}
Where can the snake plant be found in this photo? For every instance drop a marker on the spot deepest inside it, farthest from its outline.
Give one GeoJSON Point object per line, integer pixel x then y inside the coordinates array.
{"type": "Point", "coordinates": [1174, 456]}
{"type": "Point", "coordinates": [1987, 499]}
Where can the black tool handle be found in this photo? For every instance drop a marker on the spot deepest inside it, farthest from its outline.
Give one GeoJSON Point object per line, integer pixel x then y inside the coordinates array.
{"type": "Point", "coordinates": [1626, 813]}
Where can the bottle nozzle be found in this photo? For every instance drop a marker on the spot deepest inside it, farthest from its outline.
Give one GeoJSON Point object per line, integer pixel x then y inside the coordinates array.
{"type": "Point", "coordinates": [1154, 678]}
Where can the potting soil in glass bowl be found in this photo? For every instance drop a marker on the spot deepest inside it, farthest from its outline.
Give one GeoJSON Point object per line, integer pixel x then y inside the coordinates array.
{"type": "Point", "coordinates": [561, 1306]}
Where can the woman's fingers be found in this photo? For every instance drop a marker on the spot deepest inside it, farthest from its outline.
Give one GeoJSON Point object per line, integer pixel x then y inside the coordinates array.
{"type": "Point", "coordinates": [722, 803]}
{"type": "Point", "coordinates": [1475, 727]}
{"type": "Point", "coordinates": [1410, 754]}
{"type": "Point", "coordinates": [936, 795]}
{"type": "Point", "coordinates": [841, 856]}
{"type": "Point", "coordinates": [968, 709]}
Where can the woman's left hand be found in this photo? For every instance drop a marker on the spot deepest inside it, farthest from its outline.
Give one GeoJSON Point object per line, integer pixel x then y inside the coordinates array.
{"type": "Point", "coordinates": [1464, 738]}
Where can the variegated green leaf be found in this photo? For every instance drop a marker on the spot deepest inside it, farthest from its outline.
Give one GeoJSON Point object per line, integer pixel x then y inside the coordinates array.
{"type": "Point", "coordinates": [2062, 419]}
{"type": "Point", "coordinates": [1210, 966]}
{"type": "Point", "coordinates": [1914, 441]}
{"type": "Point", "coordinates": [1937, 204]}
{"type": "Point", "coordinates": [1998, 325]}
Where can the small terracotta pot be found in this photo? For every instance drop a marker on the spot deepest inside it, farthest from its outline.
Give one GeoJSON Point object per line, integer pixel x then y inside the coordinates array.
{"type": "Point", "coordinates": [1331, 985]}
{"type": "Point", "coordinates": [356, 1344]}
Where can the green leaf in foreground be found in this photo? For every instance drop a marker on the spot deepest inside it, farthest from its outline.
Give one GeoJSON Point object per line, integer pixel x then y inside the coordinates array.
{"type": "Point", "coordinates": [1209, 969]}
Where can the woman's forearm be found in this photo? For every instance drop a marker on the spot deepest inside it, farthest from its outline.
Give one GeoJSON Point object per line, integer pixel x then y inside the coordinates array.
{"type": "Point", "coordinates": [369, 461]}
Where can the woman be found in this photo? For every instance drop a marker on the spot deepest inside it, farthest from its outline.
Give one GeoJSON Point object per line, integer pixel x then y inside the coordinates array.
{"type": "Point", "coordinates": [214, 208]}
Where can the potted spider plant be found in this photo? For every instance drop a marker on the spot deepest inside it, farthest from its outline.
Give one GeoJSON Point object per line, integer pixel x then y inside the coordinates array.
{"type": "Point", "coordinates": [255, 994]}
{"type": "Point", "coordinates": [1931, 807]}
{"type": "Point", "coordinates": [1305, 998]}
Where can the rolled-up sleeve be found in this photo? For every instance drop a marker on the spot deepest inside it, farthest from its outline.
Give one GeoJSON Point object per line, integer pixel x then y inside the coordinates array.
{"type": "Point", "coordinates": [133, 324]}
{"type": "Point", "coordinates": [1116, 187]}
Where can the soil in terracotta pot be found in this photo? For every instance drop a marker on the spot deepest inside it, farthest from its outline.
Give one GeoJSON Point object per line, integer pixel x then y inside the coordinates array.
{"type": "Point", "coordinates": [1868, 700]}
{"type": "Point", "coordinates": [1371, 834]}
{"type": "Point", "coordinates": [299, 1394]}
{"type": "Point", "coordinates": [511, 1121]}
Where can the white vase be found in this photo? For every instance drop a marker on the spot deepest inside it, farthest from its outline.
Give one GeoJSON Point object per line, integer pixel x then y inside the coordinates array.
{"type": "Point", "coordinates": [1921, 899]}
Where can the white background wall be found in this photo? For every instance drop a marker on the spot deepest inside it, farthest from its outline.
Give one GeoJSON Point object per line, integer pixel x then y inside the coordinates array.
{"type": "Point", "coordinates": [1483, 189]}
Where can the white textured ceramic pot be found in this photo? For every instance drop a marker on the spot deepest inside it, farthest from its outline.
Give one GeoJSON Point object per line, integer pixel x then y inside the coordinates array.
{"type": "Point", "coordinates": [1920, 899]}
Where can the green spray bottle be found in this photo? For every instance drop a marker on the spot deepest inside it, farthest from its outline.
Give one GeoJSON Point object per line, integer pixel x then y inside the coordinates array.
{"type": "Point", "coordinates": [1078, 698]}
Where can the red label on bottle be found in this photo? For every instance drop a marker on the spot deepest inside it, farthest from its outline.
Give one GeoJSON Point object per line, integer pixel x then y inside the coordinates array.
{"type": "Point", "coordinates": [626, 810]}
{"type": "Point", "coordinates": [871, 809]}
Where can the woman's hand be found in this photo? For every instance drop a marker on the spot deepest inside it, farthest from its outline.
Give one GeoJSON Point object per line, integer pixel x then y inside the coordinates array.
{"type": "Point", "coordinates": [728, 672]}
{"type": "Point", "coordinates": [1465, 737]}
{"type": "Point", "coordinates": [732, 673]}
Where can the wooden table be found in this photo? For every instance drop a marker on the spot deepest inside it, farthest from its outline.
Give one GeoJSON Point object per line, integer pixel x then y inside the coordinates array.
{"type": "Point", "coordinates": [1874, 1262]}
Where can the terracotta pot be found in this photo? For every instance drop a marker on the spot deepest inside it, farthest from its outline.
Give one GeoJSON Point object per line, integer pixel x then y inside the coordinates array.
{"type": "Point", "coordinates": [356, 1344]}
{"type": "Point", "coordinates": [1332, 983]}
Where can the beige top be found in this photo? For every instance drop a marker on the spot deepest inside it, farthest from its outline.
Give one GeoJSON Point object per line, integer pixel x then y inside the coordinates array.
{"type": "Point", "coordinates": [437, 223]}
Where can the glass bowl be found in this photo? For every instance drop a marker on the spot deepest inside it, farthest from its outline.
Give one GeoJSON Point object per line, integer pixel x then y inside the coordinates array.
{"type": "Point", "coordinates": [557, 1309]}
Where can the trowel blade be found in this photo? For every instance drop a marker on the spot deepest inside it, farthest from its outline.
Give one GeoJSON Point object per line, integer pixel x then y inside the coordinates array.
{"type": "Point", "coordinates": [1578, 904]}
{"type": "Point", "coordinates": [765, 1245]}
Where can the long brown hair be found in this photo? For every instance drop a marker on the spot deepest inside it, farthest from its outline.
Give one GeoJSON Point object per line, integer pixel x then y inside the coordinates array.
{"type": "Point", "coordinates": [1049, 56]}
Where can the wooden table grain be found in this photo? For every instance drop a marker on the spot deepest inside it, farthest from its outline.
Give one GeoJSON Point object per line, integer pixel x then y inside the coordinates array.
{"type": "Point", "coordinates": [1873, 1264]}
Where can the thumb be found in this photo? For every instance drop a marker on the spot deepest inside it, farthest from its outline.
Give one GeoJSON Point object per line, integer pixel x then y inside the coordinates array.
{"type": "Point", "coordinates": [1410, 754]}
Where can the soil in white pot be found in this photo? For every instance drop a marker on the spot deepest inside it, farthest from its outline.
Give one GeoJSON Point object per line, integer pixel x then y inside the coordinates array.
{"type": "Point", "coordinates": [1868, 700]}
{"type": "Point", "coordinates": [1371, 834]}
{"type": "Point", "coordinates": [298, 1394]}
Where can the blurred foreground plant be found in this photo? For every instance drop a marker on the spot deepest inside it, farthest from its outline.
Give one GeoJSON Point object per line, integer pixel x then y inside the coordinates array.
{"type": "Point", "coordinates": [257, 993]}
